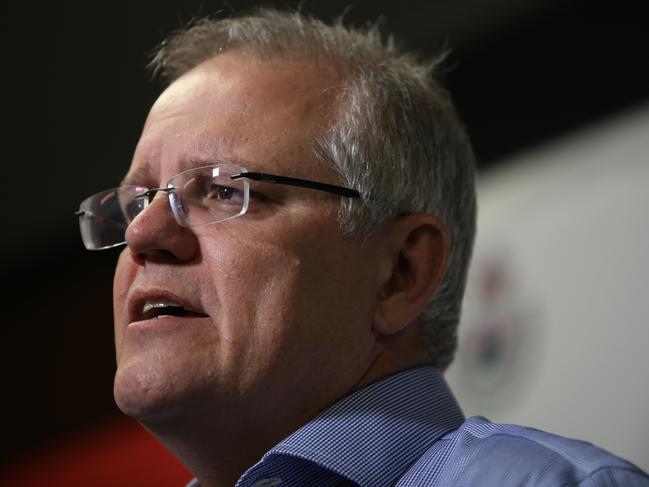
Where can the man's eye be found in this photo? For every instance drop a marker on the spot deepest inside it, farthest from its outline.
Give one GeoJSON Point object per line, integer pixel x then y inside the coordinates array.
{"type": "Point", "coordinates": [224, 193]}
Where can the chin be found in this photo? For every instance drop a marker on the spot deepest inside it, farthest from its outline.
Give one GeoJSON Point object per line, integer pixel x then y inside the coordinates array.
{"type": "Point", "coordinates": [147, 394]}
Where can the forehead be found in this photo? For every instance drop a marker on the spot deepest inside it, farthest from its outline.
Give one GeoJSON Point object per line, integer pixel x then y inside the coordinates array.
{"type": "Point", "coordinates": [264, 114]}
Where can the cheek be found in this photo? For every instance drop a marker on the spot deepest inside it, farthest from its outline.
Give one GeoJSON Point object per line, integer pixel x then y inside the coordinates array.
{"type": "Point", "coordinates": [125, 272]}
{"type": "Point", "coordinates": [280, 285]}
{"type": "Point", "coordinates": [250, 278]}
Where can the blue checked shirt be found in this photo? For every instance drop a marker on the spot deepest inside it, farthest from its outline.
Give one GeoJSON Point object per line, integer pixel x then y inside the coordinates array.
{"type": "Point", "coordinates": [408, 430]}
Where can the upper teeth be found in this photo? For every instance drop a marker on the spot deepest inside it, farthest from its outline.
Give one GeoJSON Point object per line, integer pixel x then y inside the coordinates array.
{"type": "Point", "coordinates": [149, 305]}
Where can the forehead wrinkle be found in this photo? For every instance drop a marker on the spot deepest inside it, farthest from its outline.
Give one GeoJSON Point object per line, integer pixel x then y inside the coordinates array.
{"type": "Point", "coordinates": [212, 148]}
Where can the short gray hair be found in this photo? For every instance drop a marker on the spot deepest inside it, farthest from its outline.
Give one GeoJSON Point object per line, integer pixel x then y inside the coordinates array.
{"type": "Point", "coordinates": [397, 138]}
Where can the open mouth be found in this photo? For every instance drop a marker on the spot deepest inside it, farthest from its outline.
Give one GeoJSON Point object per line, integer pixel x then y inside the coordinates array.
{"type": "Point", "coordinates": [156, 309]}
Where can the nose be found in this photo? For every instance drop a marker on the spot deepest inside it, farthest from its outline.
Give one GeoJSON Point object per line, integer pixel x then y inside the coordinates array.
{"type": "Point", "coordinates": [155, 235]}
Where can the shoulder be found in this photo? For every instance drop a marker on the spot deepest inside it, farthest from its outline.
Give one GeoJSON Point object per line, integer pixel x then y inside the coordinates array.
{"type": "Point", "coordinates": [485, 453]}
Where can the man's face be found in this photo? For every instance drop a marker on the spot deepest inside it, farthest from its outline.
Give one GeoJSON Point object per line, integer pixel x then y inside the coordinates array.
{"type": "Point", "coordinates": [283, 303]}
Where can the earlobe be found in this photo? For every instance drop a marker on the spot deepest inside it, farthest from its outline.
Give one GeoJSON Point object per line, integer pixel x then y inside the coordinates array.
{"type": "Point", "coordinates": [418, 248]}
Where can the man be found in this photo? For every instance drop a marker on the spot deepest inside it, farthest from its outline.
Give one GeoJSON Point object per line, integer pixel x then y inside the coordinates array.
{"type": "Point", "coordinates": [298, 219]}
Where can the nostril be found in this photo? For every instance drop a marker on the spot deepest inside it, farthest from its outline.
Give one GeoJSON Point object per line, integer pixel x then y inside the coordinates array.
{"type": "Point", "coordinates": [138, 259]}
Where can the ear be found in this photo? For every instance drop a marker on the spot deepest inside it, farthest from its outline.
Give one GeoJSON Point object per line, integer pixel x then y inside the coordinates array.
{"type": "Point", "coordinates": [416, 251]}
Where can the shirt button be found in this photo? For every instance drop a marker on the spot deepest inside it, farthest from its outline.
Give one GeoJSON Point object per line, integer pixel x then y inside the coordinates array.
{"type": "Point", "coordinates": [269, 482]}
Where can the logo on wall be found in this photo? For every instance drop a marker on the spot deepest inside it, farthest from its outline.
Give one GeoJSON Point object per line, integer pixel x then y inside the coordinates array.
{"type": "Point", "coordinates": [499, 337]}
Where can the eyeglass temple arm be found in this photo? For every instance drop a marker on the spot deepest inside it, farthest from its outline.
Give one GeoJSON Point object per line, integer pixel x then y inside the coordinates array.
{"type": "Point", "coordinates": [303, 183]}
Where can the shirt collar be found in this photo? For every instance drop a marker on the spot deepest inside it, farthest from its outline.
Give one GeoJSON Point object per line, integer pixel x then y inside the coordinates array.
{"type": "Point", "coordinates": [375, 433]}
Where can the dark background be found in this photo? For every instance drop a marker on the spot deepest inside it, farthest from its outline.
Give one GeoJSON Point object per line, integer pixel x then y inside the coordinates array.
{"type": "Point", "coordinates": [522, 72]}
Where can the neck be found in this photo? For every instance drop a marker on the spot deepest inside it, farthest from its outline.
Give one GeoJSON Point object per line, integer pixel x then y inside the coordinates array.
{"type": "Point", "coordinates": [216, 455]}
{"type": "Point", "coordinates": [218, 446]}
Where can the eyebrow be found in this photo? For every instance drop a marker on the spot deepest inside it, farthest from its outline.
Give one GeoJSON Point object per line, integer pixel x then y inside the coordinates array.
{"type": "Point", "coordinates": [145, 172]}
{"type": "Point", "coordinates": [137, 176]}
{"type": "Point", "coordinates": [212, 150]}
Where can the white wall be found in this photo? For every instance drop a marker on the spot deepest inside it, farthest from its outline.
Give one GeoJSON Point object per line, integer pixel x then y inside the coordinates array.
{"type": "Point", "coordinates": [555, 333]}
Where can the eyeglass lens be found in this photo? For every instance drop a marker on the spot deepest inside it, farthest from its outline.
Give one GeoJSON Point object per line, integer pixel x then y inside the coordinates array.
{"type": "Point", "coordinates": [198, 196]}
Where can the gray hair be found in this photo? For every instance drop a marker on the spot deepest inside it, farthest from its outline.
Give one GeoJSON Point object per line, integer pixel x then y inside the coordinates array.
{"type": "Point", "coordinates": [397, 138]}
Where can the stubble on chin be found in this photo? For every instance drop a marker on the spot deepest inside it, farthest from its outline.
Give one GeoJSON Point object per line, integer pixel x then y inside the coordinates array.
{"type": "Point", "coordinates": [140, 390]}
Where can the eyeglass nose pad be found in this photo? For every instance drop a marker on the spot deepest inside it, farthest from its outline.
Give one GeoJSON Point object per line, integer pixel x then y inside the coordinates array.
{"type": "Point", "coordinates": [177, 207]}
{"type": "Point", "coordinates": [136, 205]}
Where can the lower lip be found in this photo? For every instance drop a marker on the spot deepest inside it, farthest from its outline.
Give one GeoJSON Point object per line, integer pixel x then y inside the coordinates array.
{"type": "Point", "coordinates": [165, 323]}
